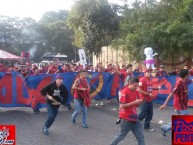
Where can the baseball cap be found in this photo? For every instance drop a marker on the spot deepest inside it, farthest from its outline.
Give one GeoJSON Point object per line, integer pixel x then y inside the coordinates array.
{"type": "Point", "coordinates": [59, 77]}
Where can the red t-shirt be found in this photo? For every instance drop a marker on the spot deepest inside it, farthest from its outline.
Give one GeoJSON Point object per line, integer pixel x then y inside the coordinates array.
{"type": "Point", "coordinates": [180, 95]}
{"type": "Point", "coordinates": [146, 85]}
{"type": "Point", "coordinates": [128, 96]}
{"type": "Point", "coordinates": [191, 72]}
{"type": "Point", "coordinates": [82, 83]}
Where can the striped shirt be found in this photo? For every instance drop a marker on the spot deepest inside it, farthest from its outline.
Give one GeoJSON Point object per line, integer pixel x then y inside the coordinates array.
{"type": "Point", "coordinates": [180, 95]}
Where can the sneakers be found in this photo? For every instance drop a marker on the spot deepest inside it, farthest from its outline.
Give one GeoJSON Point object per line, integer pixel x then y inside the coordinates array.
{"type": "Point", "coordinates": [45, 131]}
{"type": "Point", "coordinates": [36, 111]}
{"type": "Point", "coordinates": [69, 107]}
{"type": "Point", "coordinates": [73, 120]}
{"type": "Point", "coordinates": [163, 131]}
{"type": "Point", "coordinates": [101, 103]}
{"type": "Point", "coordinates": [149, 129]}
{"type": "Point", "coordinates": [85, 125]}
{"type": "Point", "coordinates": [118, 121]}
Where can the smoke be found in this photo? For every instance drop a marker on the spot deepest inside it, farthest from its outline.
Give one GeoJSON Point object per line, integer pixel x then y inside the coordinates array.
{"type": "Point", "coordinates": [32, 51]}
{"type": "Point", "coordinates": [31, 34]}
{"type": "Point", "coordinates": [34, 37]}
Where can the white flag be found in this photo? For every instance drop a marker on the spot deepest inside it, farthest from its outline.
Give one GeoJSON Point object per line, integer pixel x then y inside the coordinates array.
{"type": "Point", "coordinates": [82, 57]}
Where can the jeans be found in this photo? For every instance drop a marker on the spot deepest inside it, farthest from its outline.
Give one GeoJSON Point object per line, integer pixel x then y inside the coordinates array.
{"type": "Point", "coordinates": [125, 127]}
{"type": "Point", "coordinates": [52, 113]}
{"type": "Point", "coordinates": [146, 112]}
{"type": "Point", "coordinates": [79, 106]}
{"type": "Point", "coordinates": [168, 126]}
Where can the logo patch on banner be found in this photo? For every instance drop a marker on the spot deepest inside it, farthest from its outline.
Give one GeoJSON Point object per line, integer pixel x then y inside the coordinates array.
{"type": "Point", "coordinates": [7, 135]}
{"type": "Point", "coordinates": [182, 130]}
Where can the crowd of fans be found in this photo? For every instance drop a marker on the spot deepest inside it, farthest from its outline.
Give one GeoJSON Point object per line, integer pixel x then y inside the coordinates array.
{"type": "Point", "coordinates": [28, 69]}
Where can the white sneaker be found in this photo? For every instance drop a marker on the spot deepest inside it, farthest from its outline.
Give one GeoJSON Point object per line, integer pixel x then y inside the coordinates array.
{"type": "Point", "coordinates": [150, 129]}
{"type": "Point", "coordinates": [101, 103]}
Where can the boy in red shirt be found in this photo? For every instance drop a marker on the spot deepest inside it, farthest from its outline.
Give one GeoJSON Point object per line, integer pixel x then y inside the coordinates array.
{"type": "Point", "coordinates": [129, 101]}
{"type": "Point", "coordinates": [145, 92]}
{"type": "Point", "coordinates": [180, 103]}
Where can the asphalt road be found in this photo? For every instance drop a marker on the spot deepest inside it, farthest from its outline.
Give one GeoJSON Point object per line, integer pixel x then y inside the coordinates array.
{"type": "Point", "coordinates": [101, 131]}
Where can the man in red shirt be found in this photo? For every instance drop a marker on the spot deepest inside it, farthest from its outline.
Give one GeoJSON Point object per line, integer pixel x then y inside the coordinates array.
{"type": "Point", "coordinates": [180, 103]}
{"type": "Point", "coordinates": [126, 74]}
{"type": "Point", "coordinates": [81, 89]}
{"type": "Point", "coordinates": [129, 101]}
{"type": "Point", "coordinates": [145, 92]}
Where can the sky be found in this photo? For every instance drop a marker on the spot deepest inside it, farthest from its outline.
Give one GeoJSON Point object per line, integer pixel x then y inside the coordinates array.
{"type": "Point", "coordinates": [34, 8]}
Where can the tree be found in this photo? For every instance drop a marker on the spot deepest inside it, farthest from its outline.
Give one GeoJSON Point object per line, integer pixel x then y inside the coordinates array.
{"type": "Point", "coordinates": [166, 26]}
{"type": "Point", "coordinates": [17, 34]}
{"type": "Point", "coordinates": [94, 22]}
{"type": "Point", "coordinates": [58, 36]}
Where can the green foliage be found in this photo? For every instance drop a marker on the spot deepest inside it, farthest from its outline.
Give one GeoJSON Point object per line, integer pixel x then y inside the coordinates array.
{"type": "Point", "coordinates": [50, 34]}
{"type": "Point", "coordinates": [58, 35]}
{"type": "Point", "coordinates": [94, 23]}
{"type": "Point", "coordinates": [17, 34]}
{"type": "Point", "coordinates": [166, 26]}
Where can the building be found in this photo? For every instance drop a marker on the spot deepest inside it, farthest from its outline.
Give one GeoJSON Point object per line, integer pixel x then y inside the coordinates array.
{"type": "Point", "coordinates": [110, 55]}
